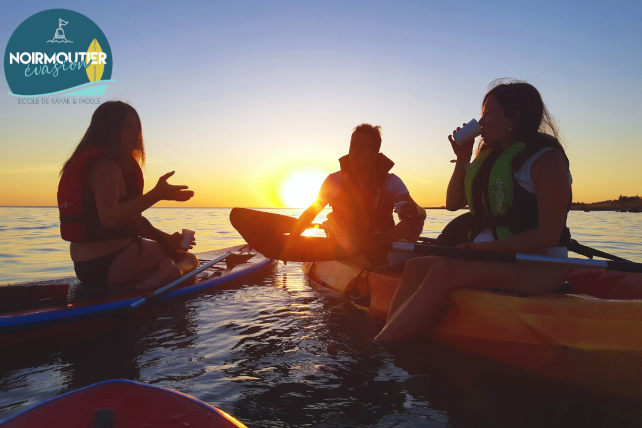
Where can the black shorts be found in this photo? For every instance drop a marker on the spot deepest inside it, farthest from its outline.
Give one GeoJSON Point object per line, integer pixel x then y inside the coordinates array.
{"type": "Point", "coordinates": [95, 271]}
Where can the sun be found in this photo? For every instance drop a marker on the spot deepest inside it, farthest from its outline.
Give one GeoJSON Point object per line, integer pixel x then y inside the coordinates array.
{"type": "Point", "coordinates": [299, 190]}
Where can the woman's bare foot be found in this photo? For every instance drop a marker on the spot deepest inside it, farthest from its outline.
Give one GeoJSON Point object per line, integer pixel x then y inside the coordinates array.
{"type": "Point", "coordinates": [167, 272]}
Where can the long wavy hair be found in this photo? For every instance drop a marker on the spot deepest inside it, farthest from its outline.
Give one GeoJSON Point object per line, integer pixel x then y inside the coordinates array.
{"type": "Point", "coordinates": [536, 127]}
{"type": "Point", "coordinates": [104, 131]}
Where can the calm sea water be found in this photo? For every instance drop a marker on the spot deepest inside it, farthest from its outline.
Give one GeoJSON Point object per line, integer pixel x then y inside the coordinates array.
{"type": "Point", "coordinates": [258, 350]}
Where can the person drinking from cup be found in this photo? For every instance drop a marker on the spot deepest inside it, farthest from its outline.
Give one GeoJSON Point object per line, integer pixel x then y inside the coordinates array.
{"type": "Point", "coordinates": [518, 190]}
{"type": "Point", "coordinates": [101, 199]}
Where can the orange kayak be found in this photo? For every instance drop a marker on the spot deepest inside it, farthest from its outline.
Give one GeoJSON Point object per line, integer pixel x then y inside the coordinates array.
{"type": "Point", "coordinates": [590, 336]}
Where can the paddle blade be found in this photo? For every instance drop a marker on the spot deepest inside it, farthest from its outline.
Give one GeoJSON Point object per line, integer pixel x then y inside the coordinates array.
{"type": "Point", "coordinates": [246, 220]}
{"type": "Point", "coordinates": [267, 234]}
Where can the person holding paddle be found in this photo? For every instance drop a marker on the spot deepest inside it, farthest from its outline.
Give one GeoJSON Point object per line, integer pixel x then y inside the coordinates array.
{"type": "Point", "coordinates": [518, 190]}
{"type": "Point", "coordinates": [101, 199]}
{"type": "Point", "coordinates": [363, 195]}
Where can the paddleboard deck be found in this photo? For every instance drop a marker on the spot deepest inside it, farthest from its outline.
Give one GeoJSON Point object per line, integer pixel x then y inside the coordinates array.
{"type": "Point", "coordinates": [75, 310]}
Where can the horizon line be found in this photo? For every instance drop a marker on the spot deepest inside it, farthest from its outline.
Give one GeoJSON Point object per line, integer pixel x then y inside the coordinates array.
{"type": "Point", "coordinates": [55, 206]}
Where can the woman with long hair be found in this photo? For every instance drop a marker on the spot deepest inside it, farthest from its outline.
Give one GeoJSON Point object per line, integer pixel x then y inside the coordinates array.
{"type": "Point", "coordinates": [101, 199]}
{"type": "Point", "coordinates": [518, 189]}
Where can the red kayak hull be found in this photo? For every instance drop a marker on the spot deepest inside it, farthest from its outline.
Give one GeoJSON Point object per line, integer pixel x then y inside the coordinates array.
{"type": "Point", "coordinates": [126, 404]}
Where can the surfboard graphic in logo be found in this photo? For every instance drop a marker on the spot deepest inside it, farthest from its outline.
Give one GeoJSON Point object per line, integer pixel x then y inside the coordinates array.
{"type": "Point", "coordinates": [96, 68]}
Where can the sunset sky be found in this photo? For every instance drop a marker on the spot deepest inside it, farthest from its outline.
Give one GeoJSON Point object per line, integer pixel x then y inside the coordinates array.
{"type": "Point", "coordinates": [240, 96]}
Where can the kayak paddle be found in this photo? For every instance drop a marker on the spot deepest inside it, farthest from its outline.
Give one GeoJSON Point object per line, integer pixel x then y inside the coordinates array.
{"type": "Point", "coordinates": [160, 291]}
{"type": "Point", "coordinates": [493, 256]}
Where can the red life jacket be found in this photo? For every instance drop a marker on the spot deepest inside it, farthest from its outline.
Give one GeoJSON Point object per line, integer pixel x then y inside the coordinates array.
{"type": "Point", "coordinates": [365, 210]}
{"type": "Point", "coordinates": [79, 220]}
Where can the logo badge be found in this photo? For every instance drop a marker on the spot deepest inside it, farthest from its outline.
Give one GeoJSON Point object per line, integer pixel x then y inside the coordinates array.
{"type": "Point", "coordinates": [58, 52]}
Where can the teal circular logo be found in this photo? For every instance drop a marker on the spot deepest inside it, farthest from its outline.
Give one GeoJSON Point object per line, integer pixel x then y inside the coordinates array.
{"type": "Point", "coordinates": [58, 51]}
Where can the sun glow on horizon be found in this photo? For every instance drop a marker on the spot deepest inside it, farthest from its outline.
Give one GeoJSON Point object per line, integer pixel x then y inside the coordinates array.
{"type": "Point", "coordinates": [300, 189]}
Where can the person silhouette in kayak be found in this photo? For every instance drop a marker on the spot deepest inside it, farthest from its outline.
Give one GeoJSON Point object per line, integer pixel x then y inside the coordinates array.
{"type": "Point", "coordinates": [522, 156]}
{"type": "Point", "coordinates": [101, 199]}
{"type": "Point", "coordinates": [363, 195]}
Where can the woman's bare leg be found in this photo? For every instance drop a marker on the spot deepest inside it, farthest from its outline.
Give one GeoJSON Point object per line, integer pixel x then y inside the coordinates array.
{"type": "Point", "coordinates": [414, 272]}
{"type": "Point", "coordinates": [145, 258]}
{"type": "Point", "coordinates": [415, 315]}
{"type": "Point", "coordinates": [168, 271]}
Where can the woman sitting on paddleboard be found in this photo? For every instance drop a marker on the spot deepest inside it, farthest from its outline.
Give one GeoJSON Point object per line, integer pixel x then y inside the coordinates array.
{"type": "Point", "coordinates": [518, 190]}
{"type": "Point", "coordinates": [100, 198]}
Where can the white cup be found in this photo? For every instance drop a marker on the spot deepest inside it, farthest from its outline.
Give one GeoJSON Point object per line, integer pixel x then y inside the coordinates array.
{"type": "Point", "coordinates": [188, 237]}
{"type": "Point", "coordinates": [471, 130]}
{"type": "Point", "coordinates": [398, 205]}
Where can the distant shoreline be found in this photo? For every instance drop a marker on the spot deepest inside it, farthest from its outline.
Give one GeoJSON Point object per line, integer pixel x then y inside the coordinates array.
{"type": "Point", "coordinates": [631, 204]}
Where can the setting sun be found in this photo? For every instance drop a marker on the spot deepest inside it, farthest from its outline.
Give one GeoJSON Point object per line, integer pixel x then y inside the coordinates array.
{"type": "Point", "coordinates": [300, 189]}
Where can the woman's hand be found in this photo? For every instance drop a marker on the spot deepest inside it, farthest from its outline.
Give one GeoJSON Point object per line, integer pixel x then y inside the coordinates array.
{"type": "Point", "coordinates": [408, 209]}
{"type": "Point", "coordinates": [464, 151]}
{"type": "Point", "coordinates": [168, 192]}
{"type": "Point", "coordinates": [456, 194]}
{"type": "Point", "coordinates": [175, 241]}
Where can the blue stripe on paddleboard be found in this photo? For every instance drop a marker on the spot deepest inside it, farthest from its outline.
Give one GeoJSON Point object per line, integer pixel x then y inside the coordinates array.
{"type": "Point", "coordinates": [218, 281]}
{"type": "Point", "coordinates": [26, 322]}
{"type": "Point", "coordinates": [189, 397]}
{"type": "Point", "coordinates": [6, 323]}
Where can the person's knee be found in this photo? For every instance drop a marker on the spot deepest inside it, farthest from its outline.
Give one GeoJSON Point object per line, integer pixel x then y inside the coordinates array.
{"type": "Point", "coordinates": [187, 262]}
{"type": "Point", "coordinates": [150, 251]}
{"type": "Point", "coordinates": [191, 258]}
